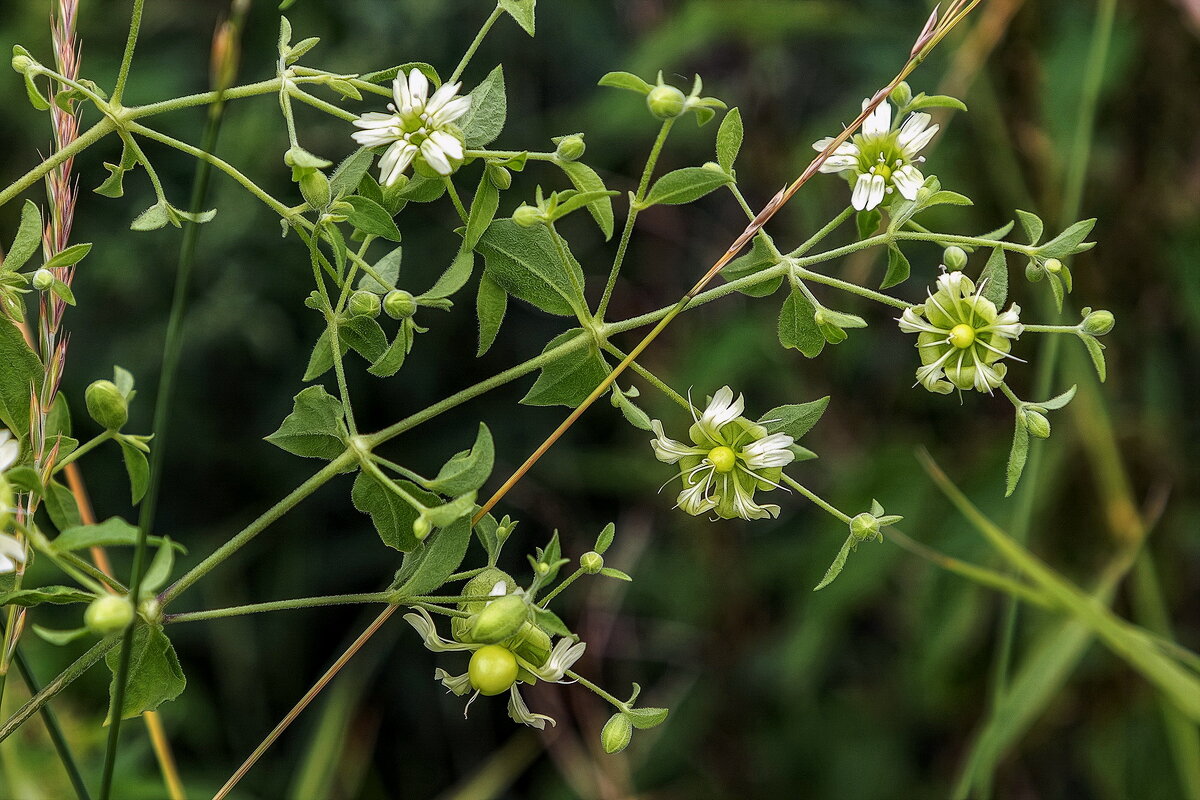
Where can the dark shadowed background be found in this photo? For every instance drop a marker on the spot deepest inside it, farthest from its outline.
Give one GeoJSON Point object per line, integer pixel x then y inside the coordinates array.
{"type": "Point", "coordinates": [870, 689]}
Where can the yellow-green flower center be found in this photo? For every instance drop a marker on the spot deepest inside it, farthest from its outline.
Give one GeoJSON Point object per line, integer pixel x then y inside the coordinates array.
{"type": "Point", "coordinates": [962, 336]}
{"type": "Point", "coordinates": [722, 458]}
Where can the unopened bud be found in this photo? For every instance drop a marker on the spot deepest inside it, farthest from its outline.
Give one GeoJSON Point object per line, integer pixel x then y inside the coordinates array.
{"type": "Point", "coordinates": [591, 562]}
{"type": "Point", "coordinates": [1033, 273]}
{"type": "Point", "coordinates": [106, 405]}
{"type": "Point", "coordinates": [315, 188]}
{"type": "Point", "coordinates": [21, 63]}
{"type": "Point", "coordinates": [500, 177]}
{"type": "Point", "coordinates": [1053, 265]}
{"type": "Point", "coordinates": [616, 734]}
{"type": "Point", "coordinates": [108, 615]}
{"type": "Point", "coordinates": [43, 279]}
{"type": "Point", "coordinates": [713, 166]}
{"type": "Point", "coordinates": [399, 304]}
{"type": "Point", "coordinates": [666, 102]}
{"type": "Point", "coordinates": [422, 527]}
{"type": "Point", "coordinates": [527, 216]}
{"type": "Point", "coordinates": [570, 148]}
{"type": "Point", "coordinates": [954, 258]}
{"type": "Point", "coordinates": [902, 95]}
{"type": "Point", "coordinates": [500, 619]}
{"type": "Point", "coordinates": [1098, 323]}
{"type": "Point", "coordinates": [1037, 424]}
{"type": "Point", "coordinates": [864, 526]}
{"type": "Point", "coordinates": [364, 304]}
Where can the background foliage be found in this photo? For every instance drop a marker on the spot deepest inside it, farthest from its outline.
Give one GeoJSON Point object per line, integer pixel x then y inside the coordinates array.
{"type": "Point", "coordinates": [871, 688]}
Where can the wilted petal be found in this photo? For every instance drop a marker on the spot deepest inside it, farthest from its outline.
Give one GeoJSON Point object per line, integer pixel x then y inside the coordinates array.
{"type": "Point", "coordinates": [562, 658]}
{"type": "Point", "coordinates": [667, 449]}
{"type": "Point", "coordinates": [423, 624]}
{"type": "Point", "coordinates": [519, 712]}
{"type": "Point", "coordinates": [459, 684]}
{"type": "Point", "coordinates": [694, 499]}
{"type": "Point", "coordinates": [721, 411]}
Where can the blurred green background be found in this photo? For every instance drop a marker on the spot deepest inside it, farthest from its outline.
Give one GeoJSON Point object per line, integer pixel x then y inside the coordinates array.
{"type": "Point", "coordinates": [870, 689]}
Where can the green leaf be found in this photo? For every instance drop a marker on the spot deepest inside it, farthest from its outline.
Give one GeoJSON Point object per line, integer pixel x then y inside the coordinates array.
{"type": "Point", "coordinates": [867, 222]}
{"type": "Point", "coordinates": [550, 622]}
{"type": "Point", "coordinates": [350, 172]}
{"type": "Point", "coordinates": [759, 258]}
{"type": "Point", "coordinates": [62, 292]}
{"type": "Point", "coordinates": [995, 235]}
{"type": "Point", "coordinates": [995, 277]}
{"type": "Point", "coordinates": [491, 303]}
{"type": "Point", "coordinates": [1059, 401]}
{"type": "Point", "coordinates": [468, 470]}
{"type": "Point", "coordinates": [387, 268]}
{"type": "Point", "coordinates": [935, 101]}
{"type": "Point", "coordinates": [586, 179]}
{"type": "Point", "coordinates": [364, 335]}
{"type": "Point", "coordinates": [729, 139]}
{"type": "Point", "coordinates": [137, 468]}
{"type": "Point", "coordinates": [643, 718]}
{"type": "Point", "coordinates": [26, 478]}
{"type": "Point", "coordinates": [114, 185]}
{"type": "Point", "coordinates": [898, 268]}
{"type": "Point", "coordinates": [1018, 455]}
{"type": "Point", "coordinates": [36, 98]}
{"type": "Point", "coordinates": [20, 377]}
{"type": "Point", "coordinates": [570, 378]}
{"type": "Point", "coordinates": [418, 190]}
{"type": "Point", "coordinates": [794, 420]}
{"type": "Point", "coordinates": [1056, 289]}
{"type": "Point", "coordinates": [489, 107]}
{"type": "Point", "coordinates": [27, 240]}
{"type": "Point", "coordinates": [839, 562]}
{"type": "Point", "coordinates": [160, 567]}
{"type": "Point", "coordinates": [437, 558]}
{"type": "Point", "coordinates": [605, 539]}
{"type": "Point", "coordinates": [449, 513]}
{"type": "Point", "coordinates": [526, 264]}
{"type": "Point", "coordinates": [321, 360]}
{"type": "Point", "coordinates": [56, 595]}
{"type": "Point", "coordinates": [153, 218]}
{"type": "Point", "coordinates": [154, 672]}
{"type": "Point", "coordinates": [684, 186]}
{"type": "Point", "coordinates": [572, 200]}
{"type": "Point", "coordinates": [392, 359]}
{"type": "Point", "coordinates": [797, 328]}
{"type": "Point", "coordinates": [625, 80]}
{"type": "Point", "coordinates": [61, 506]}
{"type": "Point", "coordinates": [609, 572]}
{"type": "Point", "coordinates": [113, 532]}
{"type": "Point", "coordinates": [386, 75]}
{"type": "Point", "coordinates": [455, 276]}
{"type": "Point", "coordinates": [1096, 351]}
{"type": "Point", "coordinates": [369, 217]}
{"type": "Point", "coordinates": [1070, 241]}
{"type": "Point", "coordinates": [392, 517]}
{"type": "Point", "coordinates": [522, 12]}
{"type": "Point", "coordinates": [946, 198]}
{"type": "Point", "coordinates": [1031, 224]}
{"type": "Point", "coordinates": [314, 429]}
{"type": "Point", "coordinates": [483, 211]}
{"type": "Point", "coordinates": [635, 415]}
{"type": "Point", "coordinates": [60, 638]}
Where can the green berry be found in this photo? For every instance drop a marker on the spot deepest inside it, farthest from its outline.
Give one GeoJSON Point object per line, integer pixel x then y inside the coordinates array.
{"type": "Point", "coordinates": [106, 405]}
{"type": "Point", "coordinates": [493, 669]}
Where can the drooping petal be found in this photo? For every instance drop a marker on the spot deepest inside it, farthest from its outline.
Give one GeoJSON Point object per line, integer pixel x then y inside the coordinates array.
{"type": "Point", "coordinates": [879, 121]}
{"type": "Point", "coordinates": [667, 449]}
{"type": "Point", "coordinates": [458, 684]}
{"type": "Point", "coordinates": [1008, 324]}
{"type": "Point", "coordinates": [861, 193]}
{"type": "Point", "coordinates": [519, 712]}
{"type": "Point", "coordinates": [423, 624]}
{"type": "Point", "coordinates": [402, 154]}
{"type": "Point", "coordinates": [908, 180]}
{"type": "Point", "coordinates": [911, 321]}
{"type": "Point", "coordinates": [770, 451]}
{"type": "Point", "coordinates": [744, 505]}
{"type": "Point", "coordinates": [695, 499]}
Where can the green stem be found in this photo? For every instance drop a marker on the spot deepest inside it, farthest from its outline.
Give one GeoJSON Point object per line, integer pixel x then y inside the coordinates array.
{"type": "Point", "coordinates": [56, 734]}
{"type": "Point", "coordinates": [654, 380]}
{"type": "Point", "coordinates": [567, 581]}
{"type": "Point", "coordinates": [631, 216]}
{"type": "Point", "coordinates": [811, 495]}
{"type": "Point", "coordinates": [135, 25]}
{"type": "Point", "coordinates": [321, 105]}
{"type": "Point", "coordinates": [270, 86]}
{"type": "Point", "coordinates": [379, 475]}
{"type": "Point", "coordinates": [60, 682]}
{"type": "Point", "coordinates": [1052, 329]}
{"type": "Point", "coordinates": [593, 687]}
{"type": "Point", "coordinates": [829, 228]}
{"type": "Point", "coordinates": [974, 241]}
{"type": "Point", "coordinates": [83, 450]}
{"type": "Point", "coordinates": [507, 154]}
{"type": "Point", "coordinates": [279, 605]}
{"type": "Point", "coordinates": [244, 536]}
{"type": "Point", "coordinates": [85, 140]}
{"type": "Point", "coordinates": [454, 198]}
{"type": "Point", "coordinates": [401, 470]}
{"type": "Point", "coordinates": [497, 12]}
{"type": "Point", "coordinates": [852, 288]}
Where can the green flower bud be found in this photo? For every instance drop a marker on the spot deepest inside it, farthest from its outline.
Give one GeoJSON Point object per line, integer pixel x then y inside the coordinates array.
{"type": "Point", "coordinates": [713, 166]}
{"type": "Point", "coordinates": [1037, 424]}
{"type": "Point", "coordinates": [923, 194]}
{"type": "Point", "coordinates": [422, 527]}
{"type": "Point", "coordinates": [315, 188]}
{"type": "Point", "coordinates": [902, 95]}
{"type": "Point", "coordinates": [1053, 265]}
{"type": "Point", "coordinates": [492, 670]}
{"type": "Point", "coordinates": [591, 562]}
{"type": "Point", "coordinates": [21, 62]}
{"type": "Point", "coordinates": [399, 304]}
{"type": "Point", "coordinates": [570, 148]}
{"type": "Point", "coordinates": [364, 304]}
{"type": "Point", "coordinates": [954, 257]}
{"type": "Point", "coordinates": [500, 177]}
{"type": "Point", "coordinates": [666, 102]}
{"type": "Point", "coordinates": [864, 526]}
{"type": "Point", "coordinates": [481, 584]}
{"type": "Point", "coordinates": [532, 644]}
{"type": "Point", "coordinates": [1098, 323]}
{"type": "Point", "coordinates": [543, 568]}
{"type": "Point", "coordinates": [7, 499]}
{"type": "Point", "coordinates": [527, 216]}
{"type": "Point", "coordinates": [106, 405]}
{"type": "Point", "coordinates": [43, 279]}
{"type": "Point", "coordinates": [108, 615]}
{"type": "Point", "coordinates": [616, 733]}
{"type": "Point", "coordinates": [500, 619]}
{"type": "Point", "coordinates": [1033, 273]}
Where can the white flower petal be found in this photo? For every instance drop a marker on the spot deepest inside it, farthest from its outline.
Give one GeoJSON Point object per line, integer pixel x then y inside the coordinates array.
{"type": "Point", "coordinates": [911, 321]}
{"type": "Point", "coordinates": [12, 553]}
{"type": "Point", "coordinates": [879, 121]}
{"type": "Point", "coordinates": [666, 449]}
{"type": "Point", "coordinates": [418, 87]}
{"type": "Point", "coordinates": [403, 154]}
{"type": "Point", "coordinates": [435, 158]}
{"type": "Point", "coordinates": [10, 449]}
{"type": "Point", "coordinates": [401, 94]}
{"type": "Point", "coordinates": [423, 624]}
{"type": "Point", "coordinates": [877, 188]}
{"type": "Point", "coordinates": [917, 139]}
{"type": "Point", "coordinates": [458, 684]}
{"type": "Point", "coordinates": [450, 112]}
{"type": "Point", "coordinates": [956, 284]}
{"type": "Point", "coordinates": [722, 410]}
{"type": "Point", "coordinates": [913, 127]}
{"type": "Point", "coordinates": [695, 498]}
{"type": "Point", "coordinates": [907, 180]}
{"type": "Point", "coordinates": [861, 193]}
{"type": "Point", "coordinates": [562, 658]}
{"type": "Point", "coordinates": [519, 712]}
{"type": "Point", "coordinates": [449, 144]}
{"type": "Point", "coordinates": [442, 96]}
{"type": "Point", "coordinates": [745, 507]}
{"type": "Point", "coordinates": [770, 451]}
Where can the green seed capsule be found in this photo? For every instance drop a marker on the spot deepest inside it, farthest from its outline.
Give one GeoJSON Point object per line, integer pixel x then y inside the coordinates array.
{"type": "Point", "coordinates": [616, 734]}
{"type": "Point", "coordinates": [106, 405]}
{"type": "Point", "coordinates": [108, 615]}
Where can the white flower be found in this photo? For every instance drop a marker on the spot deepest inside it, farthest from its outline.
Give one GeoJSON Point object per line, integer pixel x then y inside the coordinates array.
{"type": "Point", "coordinates": [12, 553]}
{"type": "Point", "coordinates": [10, 449]}
{"type": "Point", "coordinates": [562, 658]}
{"type": "Point", "coordinates": [419, 126]}
{"type": "Point", "coordinates": [727, 462]}
{"type": "Point", "coordinates": [879, 159]}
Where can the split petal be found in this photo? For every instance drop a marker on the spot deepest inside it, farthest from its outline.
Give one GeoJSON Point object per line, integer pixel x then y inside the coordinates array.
{"type": "Point", "coordinates": [879, 121]}
{"type": "Point", "coordinates": [861, 193]}
{"type": "Point", "coordinates": [519, 712]}
{"type": "Point", "coordinates": [908, 180]}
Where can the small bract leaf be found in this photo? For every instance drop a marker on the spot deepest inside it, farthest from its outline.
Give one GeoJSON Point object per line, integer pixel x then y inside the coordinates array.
{"type": "Point", "coordinates": [315, 428]}
{"type": "Point", "coordinates": [468, 470]}
{"type": "Point", "coordinates": [729, 139]}
{"type": "Point", "coordinates": [684, 186]}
